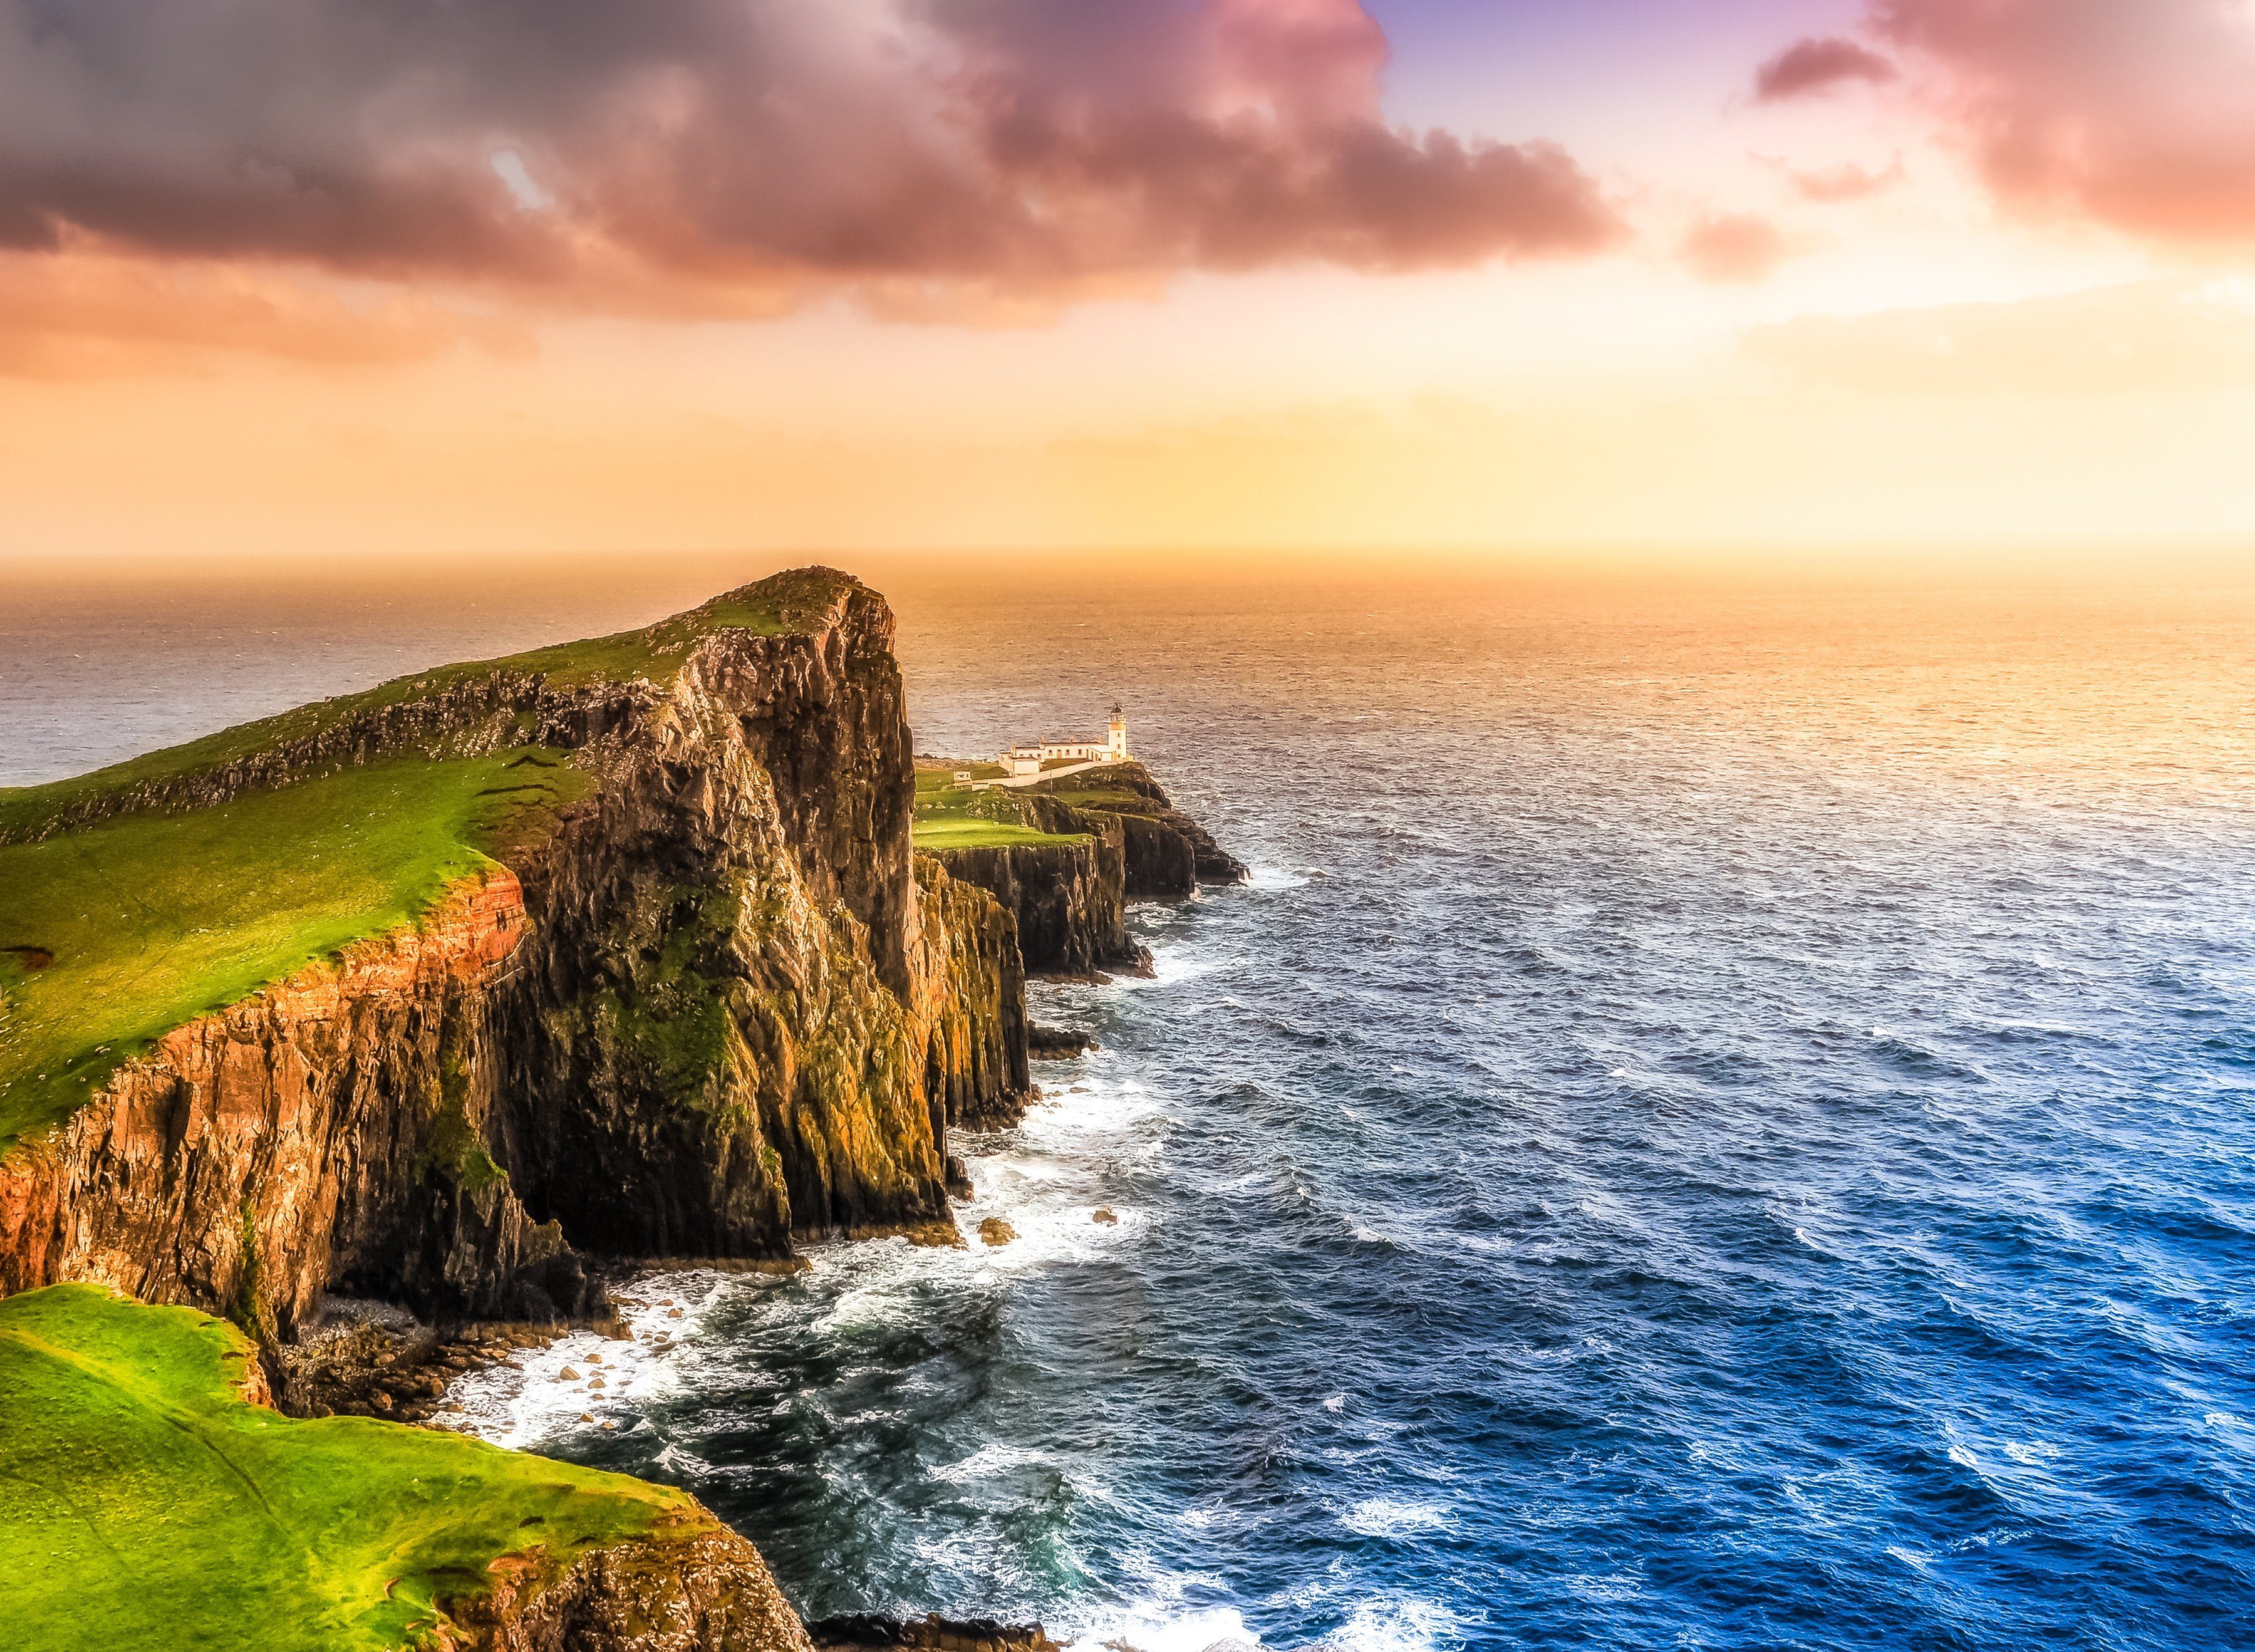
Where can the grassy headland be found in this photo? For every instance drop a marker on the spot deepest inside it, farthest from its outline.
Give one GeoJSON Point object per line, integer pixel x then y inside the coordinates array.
{"type": "Point", "coordinates": [785, 604]}
{"type": "Point", "coordinates": [1117, 788]}
{"type": "Point", "coordinates": [149, 1506]}
{"type": "Point", "coordinates": [981, 834]}
{"type": "Point", "coordinates": [123, 931]}
{"type": "Point", "coordinates": [113, 934]}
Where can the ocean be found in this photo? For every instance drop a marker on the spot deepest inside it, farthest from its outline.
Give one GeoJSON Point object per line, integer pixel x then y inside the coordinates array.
{"type": "Point", "coordinates": [1724, 1118]}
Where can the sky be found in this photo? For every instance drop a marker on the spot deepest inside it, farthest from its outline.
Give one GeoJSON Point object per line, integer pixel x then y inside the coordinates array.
{"type": "Point", "coordinates": [375, 280]}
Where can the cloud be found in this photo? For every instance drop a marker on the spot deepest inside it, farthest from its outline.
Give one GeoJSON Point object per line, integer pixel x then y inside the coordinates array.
{"type": "Point", "coordinates": [1734, 247]}
{"type": "Point", "coordinates": [1815, 65]}
{"type": "Point", "coordinates": [1830, 186]}
{"type": "Point", "coordinates": [2147, 336]}
{"type": "Point", "coordinates": [83, 313]}
{"type": "Point", "coordinates": [2138, 114]}
{"type": "Point", "coordinates": [728, 157]}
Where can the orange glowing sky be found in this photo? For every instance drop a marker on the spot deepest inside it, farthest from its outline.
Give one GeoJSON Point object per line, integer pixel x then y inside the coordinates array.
{"type": "Point", "coordinates": [511, 278]}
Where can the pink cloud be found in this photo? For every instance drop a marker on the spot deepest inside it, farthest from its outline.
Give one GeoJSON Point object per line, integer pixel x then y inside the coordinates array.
{"type": "Point", "coordinates": [84, 312]}
{"type": "Point", "coordinates": [724, 157]}
{"type": "Point", "coordinates": [1832, 185]}
{"type": "Point", "coordinates": [1816, 64]}
{"type": "Point", "coordinates": [1734, 247]}
{"type": "Point", "coordinates": [2138, 114]}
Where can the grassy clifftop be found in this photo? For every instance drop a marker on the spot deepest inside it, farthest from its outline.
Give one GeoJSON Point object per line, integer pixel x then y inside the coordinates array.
{"type": "Point", "coordinates": [783, 605]}
{"type": "Point", "coordinates": [114, 933]}
{"type": "Point", "coordinates": [121, 932]}
{"type": "Point", "coordinates": [149, 1506]}
{"type": "Point", "coordinates": [950, 815]}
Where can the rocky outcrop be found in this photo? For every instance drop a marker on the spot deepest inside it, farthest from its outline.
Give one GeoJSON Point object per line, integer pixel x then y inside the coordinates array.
{"type": "Point", "coordinates": [1068, 899]}
{"type": "Point", "coordinates": [1056, 1043]}
{"type": "Point", "coordinates": [934, 1633]}
{"type": "Point", "coordinates": [1168, 854]}
{"type": "Point", "coordinates": [374, 1359]}
{"type": "Point", "coordinates": [700, 1590]}
{"type": "Point", "coordinates": [706, 1013]}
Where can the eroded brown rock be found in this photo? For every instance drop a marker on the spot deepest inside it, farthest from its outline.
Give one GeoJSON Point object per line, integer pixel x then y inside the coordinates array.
{"type": "Point", "coordinates": [701, 1589]}
{"type": "Point", "coordinates": [934, 1633]}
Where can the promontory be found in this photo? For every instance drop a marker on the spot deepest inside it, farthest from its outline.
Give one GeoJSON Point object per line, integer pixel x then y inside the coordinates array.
{"type": "Point", "coordinates": [448, 996]}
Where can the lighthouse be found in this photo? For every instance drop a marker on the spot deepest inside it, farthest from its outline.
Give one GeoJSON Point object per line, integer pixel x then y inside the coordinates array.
{"type": "Point", "coordinates": [1115, 744]}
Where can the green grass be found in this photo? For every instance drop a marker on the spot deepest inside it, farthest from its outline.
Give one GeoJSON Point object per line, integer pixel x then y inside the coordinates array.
{"type": "Point", "coordinates": [941, 776]}
{"type": "Point", "coordinates": [783, 605]}
{"type": "Point", "coordinates": [145, 1507]}
{"type": "Point", "coordinates": [153, 920]}
{"type": "Point", "coordinates": [949, 816]}
{"type": "Point", "coordinates": [968, 834]}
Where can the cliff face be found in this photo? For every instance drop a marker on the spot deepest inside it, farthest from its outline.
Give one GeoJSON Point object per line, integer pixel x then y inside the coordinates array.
{"type": "Point", "coordinates": [975, 1062]}
{"type": "Point", "coordinates": [1068, 900]}
{"type": "Point", "coordinates": [1168, 852]}
{"type": "Point", "coordinates": [703, 1014]}
{"type": "Point", "coordinates": [727, 987]}
{"type": "Point", "coordinates": [321, 1131]}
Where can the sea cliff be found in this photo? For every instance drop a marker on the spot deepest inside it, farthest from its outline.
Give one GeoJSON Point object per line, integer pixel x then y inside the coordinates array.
{"type": "Point", "coordinates": [699, 1009]}
{"type": "Point", "coordinates": [673, 980]}
{"type": "Point", "coordinates": [1065, 856]}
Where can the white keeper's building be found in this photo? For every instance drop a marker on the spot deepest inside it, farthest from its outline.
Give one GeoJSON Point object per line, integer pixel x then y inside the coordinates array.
{"type": "Point", "coordinates": [1029, 757]}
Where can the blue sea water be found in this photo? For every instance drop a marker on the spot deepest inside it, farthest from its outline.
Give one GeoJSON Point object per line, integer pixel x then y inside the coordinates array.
{"type": "Point", "coordinates": [1724, 1119]}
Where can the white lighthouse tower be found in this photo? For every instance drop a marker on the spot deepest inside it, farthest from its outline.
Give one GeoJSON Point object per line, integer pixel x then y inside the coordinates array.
{"type": "Point", "coordinates": [1115, 743]}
